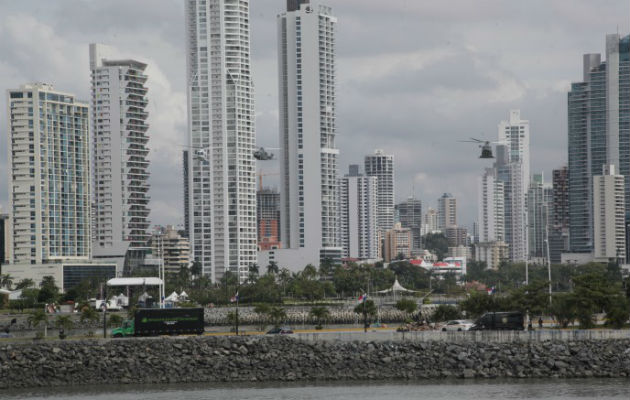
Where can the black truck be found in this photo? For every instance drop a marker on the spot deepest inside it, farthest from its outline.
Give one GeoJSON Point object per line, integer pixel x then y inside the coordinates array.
{"type": "Point", "coordinates": [498, 321]}
{"type": "Point", "coordinates": [162, 321]}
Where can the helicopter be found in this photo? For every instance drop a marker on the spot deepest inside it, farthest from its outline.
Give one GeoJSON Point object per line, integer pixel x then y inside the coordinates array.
{"type": "Point", "coordinates": [485, 145]}
{"type": "Point", "coordinates": [262, 155]}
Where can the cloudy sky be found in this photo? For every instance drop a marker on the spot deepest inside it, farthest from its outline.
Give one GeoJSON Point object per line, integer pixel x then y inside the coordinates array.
{"type": "Point", "coordinates": [414, 77]}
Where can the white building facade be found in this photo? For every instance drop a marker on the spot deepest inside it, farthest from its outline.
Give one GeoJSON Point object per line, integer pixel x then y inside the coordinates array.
{"type": "Point", "coordinates": [447, 211]}
{"type": "Point", "coordinates": [221, 137]}
{"type": "Point", "coordinates": [514, 135]}
{"type": "Point", "coordinates": [49, 176]}
{"type": "Point", "coordinates": [381, 165]}
{"type": "Point", "coordinates": [308, 153]}
{"type": "Point", "coordinates": [490, 207]}
{"type": "Point", "coordinates": [119, 150]}
{"type": "Point", "coordinates": [609, 215]}
{"type": "Point", "coordinates": [357, 211]}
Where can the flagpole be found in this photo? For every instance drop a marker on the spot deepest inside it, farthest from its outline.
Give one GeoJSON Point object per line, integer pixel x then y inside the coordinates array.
{"type": "Point", "coordinates": [364, 314]}
{"type": "Point", "coordinates": [237, 296]}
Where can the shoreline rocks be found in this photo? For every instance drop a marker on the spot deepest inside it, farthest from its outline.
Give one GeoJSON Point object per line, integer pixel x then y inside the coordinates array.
{"type": "Point", "coordinates": [267, 359]}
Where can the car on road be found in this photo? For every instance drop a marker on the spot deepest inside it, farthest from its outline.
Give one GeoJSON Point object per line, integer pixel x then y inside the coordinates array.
{"type": "Point", "coordinates": [279, 331]}
{"type": "Point", "coordinates": [457, 325]}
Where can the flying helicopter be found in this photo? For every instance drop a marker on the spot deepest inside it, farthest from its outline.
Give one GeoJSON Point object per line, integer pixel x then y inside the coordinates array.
{"type": "Point", "coordinates": [262, 155]}
{"type": "Point", "coordinates": [484, 145]}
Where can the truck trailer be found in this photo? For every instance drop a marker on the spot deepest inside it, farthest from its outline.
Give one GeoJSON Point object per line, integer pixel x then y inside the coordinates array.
{"type": "Point", "coordinates": [162, 321]}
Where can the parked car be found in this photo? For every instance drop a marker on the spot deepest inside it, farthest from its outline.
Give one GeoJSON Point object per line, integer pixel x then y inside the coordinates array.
{"type": "Point", "coordinates": [279, 331]}
{"type": "Point", "coordinates": [458, 325]}
{"type": "Point", "coordinates": [500, 321]}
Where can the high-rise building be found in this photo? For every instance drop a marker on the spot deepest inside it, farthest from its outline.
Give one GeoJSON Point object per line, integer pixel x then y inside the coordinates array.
{"type": "Point", "coordinates": [456, 236]}
{"type": "Point", "coordinates": [174, 250]}
{"type": "Point", "coordinates": [559, 225]}
{"type": "Point", "coordinates": [539, 202]}
{"type": "Point", "coordinates": [381, 165]}
{"type": "Point", "coordinates": [491, 211]}
{"type": "Point", "coordinates": [120, 182]}
{"type": "Point", "coordinates": [398, 242]}
{"type": "Point", "coordinates": [609, 215]}
{"type": "Point", "coordinates": [221, 137]}
{"type": "Point", "coordinates": [4, 239]}
{"type": "Point", "coordinates": [49, 183]}
{"type": "Point", "coordinates": [410, 216]}
{"type": "Point", "coordinates": [492, 253]}
{"type": "Point", "coordinates": [599, 134]}
{"type": "Point", "coordinates": [308, 153]}
{"type": "Point", "coordinates": [357, 215]}
{"type": "Point", "coordinates": [430, 222]}
{"type": "Point", "coordinates": [513, 170]}
{"type": "Point", "coordinates": [268, 218]}
{"type": "Point", "coordinates": [186, 171]}
{"type": "Point", "coordinates": [447, 211]}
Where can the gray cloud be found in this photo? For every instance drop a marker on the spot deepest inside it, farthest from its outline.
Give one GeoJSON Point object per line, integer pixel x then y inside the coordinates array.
{"type": "Point", "coordinates": [413, 76]}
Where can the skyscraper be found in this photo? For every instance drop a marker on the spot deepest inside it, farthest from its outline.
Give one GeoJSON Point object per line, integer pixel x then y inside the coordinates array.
{"type": "Point", "coordinates": [447, 211]}
{"type": "Point", "coordinates": [599, 134]}
{"type": "Point", "coordinates": [49, 179]}
{"type": "Point", "coordinates": [381, 165]}
{"type": "Point", "coordinates": [120, 149]}
{"type": "Point", "coordinates": [491, 211]}
{"type": "Point", "coordinates": [410, 216]}
{"type": "Point", "coordinates": [539, 198]}
{"type": "Point", "coordinates": [357, 214]}
{"type": "Point", "coordinates": [308, 154]}
{"type": "Point", "coordinates": [221, 137]}
{"type": "Point", "coordinates": [513, 170]}
{"type": "Point", "coordinates": [609, 215]}
{"type": "Point", "coordinates": [559, 225]}
{"type": "Point", "coordinates": [268, 218]}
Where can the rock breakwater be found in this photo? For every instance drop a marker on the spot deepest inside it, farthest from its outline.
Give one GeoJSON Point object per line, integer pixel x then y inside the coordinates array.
{"type": "Point", "coordinates": [251, 359]}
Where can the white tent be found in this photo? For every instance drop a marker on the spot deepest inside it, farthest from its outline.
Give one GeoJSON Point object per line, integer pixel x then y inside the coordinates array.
{"type": "Point", "coordinates": [396, 287]}
{"type": "Point", "coordinates": [172, 298]}
{"type": "Point", "coordinates": [183, 295]}
{"type": "Point", "coordinates": [151, 281]}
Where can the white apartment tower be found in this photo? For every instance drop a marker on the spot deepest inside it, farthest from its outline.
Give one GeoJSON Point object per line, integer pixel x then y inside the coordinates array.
{"type": "Point", "coordinates": [609, 215]}
{"type": "Point", "coordinates": [381, 165]}
{"type": "Point", "coordinates": [490, 207]}
{"type": "Point", "coordinates": [357, 214]}
{"type": "Point", "coordinates": [447, 212]}
{"type": "Point", "coordinates": [308, 154]}
{"type": "Point", "coordinates": [119, 153]}
{"type": "Point", "coordinates": [221, 137]}
{"type": "Point", "coordinates": [49, 175]}
{"type": "Point", "coordinates": [514, 137]}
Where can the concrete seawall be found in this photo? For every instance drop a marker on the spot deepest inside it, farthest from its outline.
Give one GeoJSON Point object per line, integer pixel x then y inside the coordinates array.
{"type": "Point", "coordinates": [264, 358]}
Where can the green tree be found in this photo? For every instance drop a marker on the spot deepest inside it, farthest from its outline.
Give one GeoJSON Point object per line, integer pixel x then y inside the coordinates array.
{"type": "Point", "coordinates": [64, 323]}
{"type": "Point", "coordinates": [89, 314]}
{"type": "Point", "coordinates": [24, 283]}
{"type": "Point", "coordinates": [370, 309]}
{"type": "Point", "coordinates": [262, 310]}
{"type": "Point", "coordinates": [37, 318]}
{"type": "Point", "coordinates": [320, 314]}
{"type": "Point", "coordinates": [277, 315]}
{"type": "Point", "coordinates": [114, 320]}
{"type": "Point", "coordinates": [6, 281]}
{"type": "Point", "coordinates": [477, 304]}
{"type": "Point", "coordinates": [406, 305]}
{"type": "Point", "coordinates": [445, 312]}
{"type": "Point", "coordinates": [48, 292]}
{"type": "Point", "coordinates": [273, 268]}
{"type": "Point", "coordinates": [617, 311]}
{"type": "Point", "coordinates": [253, 273]}
{"type": "Point", "coordinates": [563, 309]}
{"type": "Point", "coordinates": [436, 243]}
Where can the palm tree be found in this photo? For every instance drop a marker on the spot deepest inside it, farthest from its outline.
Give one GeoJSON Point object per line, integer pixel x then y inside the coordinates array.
{"type": "Point", "coordinates": [320, 314]}
{"type": "Point", "coordinates": [89, 314]}
{"type": "Point", "coordinates": [285, 277]}
{"type": "Point", "coordinates": [273, 268]}
{"type": "Point", "coordinates": [277, 315]}
{"type": "Point", "coordinates": [25, 283]}
{"type": "Point", "coordinates": [6, 281]}
{"type": "Point", "coordinates": [63, 323]}
{"type": "Point", "coordinates": [38, 317]}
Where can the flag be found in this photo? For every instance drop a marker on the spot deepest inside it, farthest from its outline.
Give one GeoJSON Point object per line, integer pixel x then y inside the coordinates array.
{"type": "Point", "coordinates": [363, 297]}
{"type": "Point", "coordinates": [491, 290]}
{"type": "Point", "coordinates": [234, 298]}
